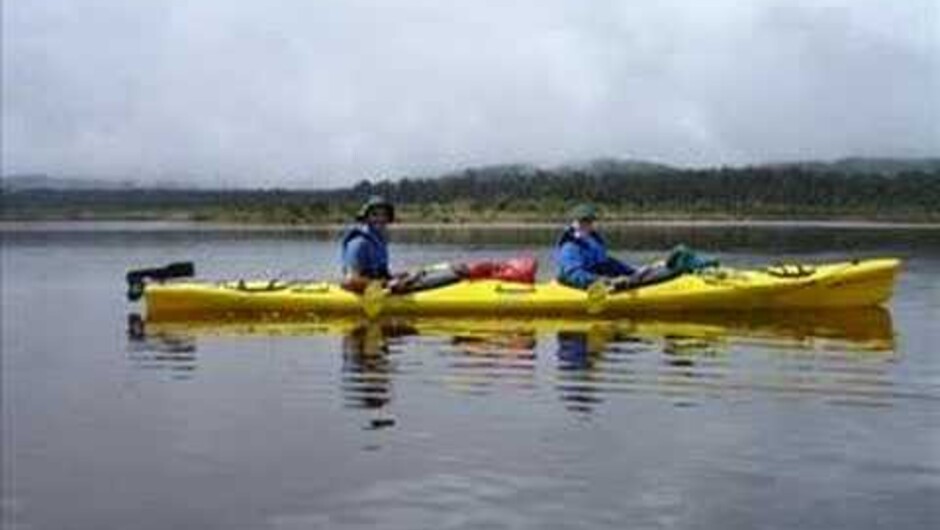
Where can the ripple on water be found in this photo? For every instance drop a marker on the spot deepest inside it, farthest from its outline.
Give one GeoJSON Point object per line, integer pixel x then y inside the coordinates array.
{"type": "Point", "coordinates": [844, 358]}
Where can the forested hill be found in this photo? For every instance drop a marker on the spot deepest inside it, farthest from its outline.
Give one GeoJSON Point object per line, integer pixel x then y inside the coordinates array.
{"type": "Point", "coordinates": [851, 188]}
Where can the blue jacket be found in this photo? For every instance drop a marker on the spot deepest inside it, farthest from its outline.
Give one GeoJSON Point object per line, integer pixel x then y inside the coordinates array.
{"type": "Point", "coordinates": [365, 252]}
{"type": "Point", "coordinates": [582, 260]}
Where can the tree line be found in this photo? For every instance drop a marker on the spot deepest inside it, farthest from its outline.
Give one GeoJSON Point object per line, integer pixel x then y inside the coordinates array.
{"type": "Point", "coordinates": [519, 192]}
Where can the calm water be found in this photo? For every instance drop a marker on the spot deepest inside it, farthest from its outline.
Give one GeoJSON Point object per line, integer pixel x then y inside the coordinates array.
{"type": "Point", "coordinates": [761, 421]}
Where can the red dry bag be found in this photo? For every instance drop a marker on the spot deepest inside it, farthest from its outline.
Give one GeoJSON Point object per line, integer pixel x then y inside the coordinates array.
{"type": "Point", "coordinates": [521, 270]}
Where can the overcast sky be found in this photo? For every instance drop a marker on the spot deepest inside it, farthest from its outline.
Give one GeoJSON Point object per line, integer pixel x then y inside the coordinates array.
{"type": "Point", "coordinates": [324, 93]}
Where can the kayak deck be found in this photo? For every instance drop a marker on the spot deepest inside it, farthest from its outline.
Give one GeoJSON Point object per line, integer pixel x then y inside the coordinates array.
{"type": "Point", "coordinates": [852, 284]}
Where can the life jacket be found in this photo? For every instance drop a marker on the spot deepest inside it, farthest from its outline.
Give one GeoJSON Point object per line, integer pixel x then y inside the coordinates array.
{"type": "Point", "coordinates": [593, 247]}
{"type": "Point", "coordinates": [378, 268]}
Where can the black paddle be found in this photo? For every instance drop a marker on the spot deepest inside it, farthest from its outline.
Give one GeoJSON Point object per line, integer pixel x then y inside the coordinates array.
{"type": "Point", "coordinates": [137, 277]}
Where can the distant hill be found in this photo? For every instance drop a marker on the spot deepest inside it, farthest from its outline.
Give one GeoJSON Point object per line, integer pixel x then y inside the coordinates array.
{"type": "Point", "coordinates": [41, 181]}
{"type": "Point", "coordinates": [495, 174]}
{"type": "Point", "coordinates": [590, 167]}
{"type": "Point", "coordinates": [601, 166]}
{"type": "Point", "coordinates": [865, 166]}
{"type": "Point", "coordinates": [614, 165]}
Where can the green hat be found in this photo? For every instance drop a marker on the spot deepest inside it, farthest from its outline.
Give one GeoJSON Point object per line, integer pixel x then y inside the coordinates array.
{"type": "Point", "coordinates": [583, 211]}
{"type": "Point", "coordinates": [376, 201]}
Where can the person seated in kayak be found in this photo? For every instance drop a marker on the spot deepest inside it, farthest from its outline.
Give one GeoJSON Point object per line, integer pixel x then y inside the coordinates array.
{"type": "Point", "coordinates": [581, 253]}
{"type": "Point", "coordinates": [582, 258]}
{"type": "Point", "coordinates": [365, 248]}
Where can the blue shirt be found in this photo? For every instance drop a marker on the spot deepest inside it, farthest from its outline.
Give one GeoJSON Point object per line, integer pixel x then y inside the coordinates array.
{"type": "Point", "coordinates": [365, 252]}
{"type": "Point", "coordinates": [582, 259]}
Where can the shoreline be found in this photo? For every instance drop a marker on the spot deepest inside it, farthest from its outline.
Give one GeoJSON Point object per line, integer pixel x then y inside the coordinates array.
{"type": "Point", "coordinates": [208, 226]}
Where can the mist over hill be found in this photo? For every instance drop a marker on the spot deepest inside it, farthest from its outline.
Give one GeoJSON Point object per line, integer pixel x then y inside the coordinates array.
{"type": "Point", "coordinates": [866, 166]}
{"type": "Point", "coordinates": [845, 166]}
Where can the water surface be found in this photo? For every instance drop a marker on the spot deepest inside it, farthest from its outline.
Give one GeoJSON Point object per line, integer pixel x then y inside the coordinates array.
{"type": "Point", "coordinates": [762, 420]}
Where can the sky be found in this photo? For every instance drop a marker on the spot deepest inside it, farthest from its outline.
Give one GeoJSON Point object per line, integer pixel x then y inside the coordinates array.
{"type": "Point", "coordinates": [303, 93]}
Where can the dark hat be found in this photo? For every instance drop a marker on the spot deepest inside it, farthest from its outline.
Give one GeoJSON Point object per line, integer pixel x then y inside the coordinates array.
{"type": "Point", "coordinates": [376, 201]}
{"type": "Point", "coordinates": [583, 211]}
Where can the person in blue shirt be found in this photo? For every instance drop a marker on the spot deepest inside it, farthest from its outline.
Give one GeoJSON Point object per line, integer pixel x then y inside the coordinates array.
{"type": "Point", "coordinates": [581, 253]}
{"type": "Point", "coordinates": [365, 247]}
{"type": "Point", "coordinates": [365, 255]}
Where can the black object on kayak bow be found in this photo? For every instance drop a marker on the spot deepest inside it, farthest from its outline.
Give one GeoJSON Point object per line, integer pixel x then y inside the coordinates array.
{"type": "Point", "coordinates": [137, 277]}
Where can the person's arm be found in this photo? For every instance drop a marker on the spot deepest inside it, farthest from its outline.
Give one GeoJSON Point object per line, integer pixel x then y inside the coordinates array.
{"type": "Point", "coordinates": [400, 282]}
{"type": "Point", "coordinates": [355, 282]}
{"type": "Point", "coordinates": [571, 267]}
{"type": "Point", "coordinates": [614, 267]}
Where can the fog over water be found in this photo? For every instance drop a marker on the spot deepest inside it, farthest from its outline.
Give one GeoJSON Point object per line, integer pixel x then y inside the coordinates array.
{"type": "Point", "coordinates": [325, 93]}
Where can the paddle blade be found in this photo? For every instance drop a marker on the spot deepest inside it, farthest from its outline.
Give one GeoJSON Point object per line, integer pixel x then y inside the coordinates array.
{"type": "Point", "coordinates": [373, 299]}
{"type": "Point", "coordinates": [137, 277]}
{"type": "Point", "coordinates": [183, 269]}
{"type": "Point", "coordinates": [596, 297]}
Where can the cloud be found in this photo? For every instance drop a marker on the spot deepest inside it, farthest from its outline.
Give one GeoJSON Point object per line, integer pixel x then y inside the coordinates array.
{"type": "Point", "coordinates": [326, 93]}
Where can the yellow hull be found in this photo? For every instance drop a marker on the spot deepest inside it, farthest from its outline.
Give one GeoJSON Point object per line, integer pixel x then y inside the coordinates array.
{"type": "Point", "coordinates": [837, 285]}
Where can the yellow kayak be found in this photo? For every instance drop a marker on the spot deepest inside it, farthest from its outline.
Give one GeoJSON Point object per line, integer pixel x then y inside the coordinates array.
{"type": "Point", "coordinates": [850, 284]}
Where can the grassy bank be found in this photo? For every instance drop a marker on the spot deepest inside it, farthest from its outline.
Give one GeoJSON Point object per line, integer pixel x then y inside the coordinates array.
{"type": "Point", "coordinates": [72, 206]}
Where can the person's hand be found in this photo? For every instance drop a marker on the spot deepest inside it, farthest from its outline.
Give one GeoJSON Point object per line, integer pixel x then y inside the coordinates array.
{"type": "Point", "coordinates": [461, 269]}
{"type": "Point", "coordinates": [619, 283]}
{"type": "Point", "coordinates": [400, 282]}
{"type": "Point", "coordinates": [395, 285]}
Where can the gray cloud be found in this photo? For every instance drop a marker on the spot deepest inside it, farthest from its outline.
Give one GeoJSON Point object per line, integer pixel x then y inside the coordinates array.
{"type": "Point", "coordinates": [325, 93]}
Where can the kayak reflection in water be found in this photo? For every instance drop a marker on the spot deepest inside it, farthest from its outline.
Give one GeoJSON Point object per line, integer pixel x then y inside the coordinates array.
{"type": "Point", "coordinates": [491, 358]}
{"type": "Point", "coordinates": [174, 353]}
{"type": "Point", "coordinates": [367, 367]}
{"type": "Point", "coordinates": [578, 352]}
{"type": "Point", "coordinates": [582, 259]}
